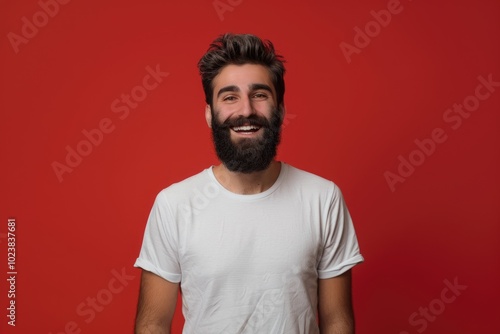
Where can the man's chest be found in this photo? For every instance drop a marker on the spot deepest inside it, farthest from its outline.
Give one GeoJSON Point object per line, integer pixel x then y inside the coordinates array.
{"type": "Point", "coordinates": [269, 243]}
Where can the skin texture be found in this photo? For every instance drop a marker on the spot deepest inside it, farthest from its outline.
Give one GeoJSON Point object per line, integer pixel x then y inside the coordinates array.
{"type": "Point", "coordinates": [156, 307]}
{"type": "Point", "coordinates": [243, 90]}
{"type": "Point", "coordinates": [335, 305]}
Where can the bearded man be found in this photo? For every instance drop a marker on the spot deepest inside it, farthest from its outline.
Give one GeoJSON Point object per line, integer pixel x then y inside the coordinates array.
{"type": "Point", "coordinates": [271, 248]}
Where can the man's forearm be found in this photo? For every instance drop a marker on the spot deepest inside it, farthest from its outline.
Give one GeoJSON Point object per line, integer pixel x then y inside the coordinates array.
{"type": "Point", "coordinates": [345, 326]}
{"type": "Point", "coordinates": [151, 329]}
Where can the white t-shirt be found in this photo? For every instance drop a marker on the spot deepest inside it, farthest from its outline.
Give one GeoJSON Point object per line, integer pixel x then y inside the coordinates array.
{"type": "Point", "coordinates": [250, 263]}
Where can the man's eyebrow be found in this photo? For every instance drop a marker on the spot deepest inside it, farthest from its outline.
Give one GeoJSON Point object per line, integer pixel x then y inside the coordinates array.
{"type": "Point", "coordinates": [231, 88]}
{"type": "Point", "coordinates": [258, 86]}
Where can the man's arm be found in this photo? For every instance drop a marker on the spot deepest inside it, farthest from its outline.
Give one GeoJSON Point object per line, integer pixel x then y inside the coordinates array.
{"type": "Point", "coordinates": [157, 300]}
{"type": "Point", "coordinates": [336, 315]}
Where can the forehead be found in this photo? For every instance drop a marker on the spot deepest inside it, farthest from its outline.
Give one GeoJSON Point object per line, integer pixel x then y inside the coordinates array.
{"type": "Point", "coordinates": [242, 76]}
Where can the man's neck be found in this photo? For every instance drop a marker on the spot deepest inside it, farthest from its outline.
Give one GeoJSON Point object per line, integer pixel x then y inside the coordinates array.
{"type": "Point", "coordinates": [247, 184]}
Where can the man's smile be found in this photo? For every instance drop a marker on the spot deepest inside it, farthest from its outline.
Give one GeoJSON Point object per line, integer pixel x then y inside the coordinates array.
{"type": "Point", "coordinates": [246, 129]}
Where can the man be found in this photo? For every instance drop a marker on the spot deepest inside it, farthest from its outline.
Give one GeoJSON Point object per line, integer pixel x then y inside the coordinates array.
{"type": "Point", "coordinates": [255, 245]}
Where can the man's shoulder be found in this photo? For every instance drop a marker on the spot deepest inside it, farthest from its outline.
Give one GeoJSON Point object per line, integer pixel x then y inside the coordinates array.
{"type": "Point", "coordinates": [186, 186]}
{"type": "Point", "coordinates": [306, 178]}
{"type": "Point", "coordinates": [310, 185]}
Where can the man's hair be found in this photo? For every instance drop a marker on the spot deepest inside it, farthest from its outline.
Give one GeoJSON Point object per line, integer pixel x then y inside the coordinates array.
{"type": "Point", "coordinates": [239, 49]}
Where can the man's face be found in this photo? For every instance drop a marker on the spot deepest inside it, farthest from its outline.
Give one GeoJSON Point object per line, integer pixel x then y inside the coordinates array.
{"type": "Point", "coordinates": [244, 118]}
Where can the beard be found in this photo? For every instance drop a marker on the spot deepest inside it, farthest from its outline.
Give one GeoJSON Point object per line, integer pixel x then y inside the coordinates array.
{"type": "Point", "coordinates": [247, 155]}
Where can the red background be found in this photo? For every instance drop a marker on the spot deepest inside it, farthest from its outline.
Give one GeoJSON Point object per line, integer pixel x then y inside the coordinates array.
{"type": "Point", "coordinates": [348, 122]}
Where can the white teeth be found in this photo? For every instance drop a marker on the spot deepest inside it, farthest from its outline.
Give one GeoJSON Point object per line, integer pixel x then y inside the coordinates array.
{"type": "Point", "coordinates": [246, 128]}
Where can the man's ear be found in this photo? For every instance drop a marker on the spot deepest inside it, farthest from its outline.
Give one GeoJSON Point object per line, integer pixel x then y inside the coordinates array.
{"type": "Point", "coordinates": [208, 115]}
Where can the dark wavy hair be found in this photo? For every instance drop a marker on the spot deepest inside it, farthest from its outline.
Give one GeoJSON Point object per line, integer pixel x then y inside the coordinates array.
{"type": "Point", "coordinates": [239, 49]}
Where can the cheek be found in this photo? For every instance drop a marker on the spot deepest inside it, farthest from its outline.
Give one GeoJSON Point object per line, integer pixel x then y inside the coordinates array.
{"type": "Point", "coordinates": [219, 117]}
{"type": "Point", "coordinates": [266, 109]}
{"type": "Point", "coordinates": [223, 114]}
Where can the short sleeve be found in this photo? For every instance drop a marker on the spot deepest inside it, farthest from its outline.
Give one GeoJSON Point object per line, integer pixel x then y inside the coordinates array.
{"type": "Point", "coordinates": [340, 244]}
{"type": "Point", "coordinates": [159, 253]}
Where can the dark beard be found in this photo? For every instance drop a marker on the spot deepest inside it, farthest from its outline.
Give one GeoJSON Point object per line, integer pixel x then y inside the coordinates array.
{"type": "Point", "coordinates": [248, 155]}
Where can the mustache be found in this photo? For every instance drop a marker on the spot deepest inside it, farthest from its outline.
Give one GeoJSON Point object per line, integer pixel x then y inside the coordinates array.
{"type": "Point", "coordinates": [241, 120]}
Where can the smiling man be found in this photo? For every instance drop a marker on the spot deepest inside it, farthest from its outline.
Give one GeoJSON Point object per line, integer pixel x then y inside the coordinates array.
{"type": "Point", "coordinates": [271, 251]}
{"type": "Point", "coordinates": [244, 118]}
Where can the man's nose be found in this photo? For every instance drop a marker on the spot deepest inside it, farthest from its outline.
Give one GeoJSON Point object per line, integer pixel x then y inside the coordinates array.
{"type": "Point", "coordinates": [246, 107]}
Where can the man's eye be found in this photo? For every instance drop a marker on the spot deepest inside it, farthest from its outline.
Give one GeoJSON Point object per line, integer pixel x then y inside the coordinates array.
{"type": "Point", "coordinates": [260, 95]}
{"type": "Point", "coordinates": [229, 98]}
